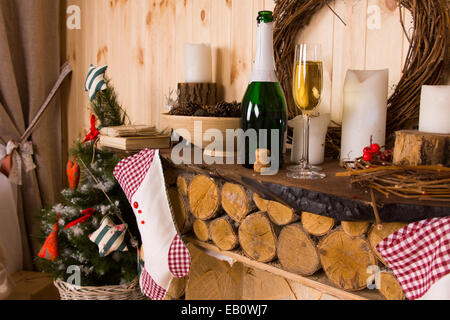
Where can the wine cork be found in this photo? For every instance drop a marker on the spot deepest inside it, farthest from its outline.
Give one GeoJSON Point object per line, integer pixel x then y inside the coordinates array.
{"type": "Point", "coordinates": [258, 167]}
{"type": "Point", "coordinates": [262, 156]}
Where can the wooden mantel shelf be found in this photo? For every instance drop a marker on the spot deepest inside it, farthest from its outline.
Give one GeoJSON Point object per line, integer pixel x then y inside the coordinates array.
{"type": "Point", "coordinates": [318, 281]}
{"type": "Point", "coordinates": [333, 196]}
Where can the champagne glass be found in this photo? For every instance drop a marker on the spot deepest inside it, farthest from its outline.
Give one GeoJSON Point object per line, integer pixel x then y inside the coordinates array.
{"type": "Point", "coordinates": [307, 92]}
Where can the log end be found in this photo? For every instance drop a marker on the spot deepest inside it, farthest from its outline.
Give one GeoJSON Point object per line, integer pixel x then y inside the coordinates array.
{"type": "Point", "coordinates": [317, 225]}
{"type": "Point", "coordinates": [345, 260]}
{"type": "Point", "coordinates": [257, 237]}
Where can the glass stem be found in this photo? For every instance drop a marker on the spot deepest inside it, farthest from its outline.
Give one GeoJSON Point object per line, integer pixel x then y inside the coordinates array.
{"type": "Point", "coordinates": [305, 154]}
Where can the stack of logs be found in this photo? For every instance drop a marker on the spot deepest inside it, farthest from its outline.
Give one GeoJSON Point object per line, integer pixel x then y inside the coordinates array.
{"type": "Point", "coordinates": [235, 218]}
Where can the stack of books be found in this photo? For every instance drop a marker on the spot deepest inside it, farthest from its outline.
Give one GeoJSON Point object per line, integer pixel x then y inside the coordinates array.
{"type": "Point", "coordinates": [134, 138]}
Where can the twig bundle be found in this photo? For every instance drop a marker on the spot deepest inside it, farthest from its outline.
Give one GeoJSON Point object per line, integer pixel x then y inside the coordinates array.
{"type": "Point", "coordinates": [409, 182]}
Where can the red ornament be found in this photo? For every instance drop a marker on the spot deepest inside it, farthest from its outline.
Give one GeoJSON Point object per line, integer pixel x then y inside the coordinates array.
{"type": "Point", "coordinates": [367, 150]}
{"type": "Point", "coordinates": [367, 157]}
{"type": "Point", "coordinates": [87, 214]}
{"type": "Point", "coordinates": [93, 134]}
{"type": "Point", "coordinates": [50, 250]}
{"type": "Point", "coordinates": [374, 148]}
{"type": "Point", "coordinates": [73, 174]}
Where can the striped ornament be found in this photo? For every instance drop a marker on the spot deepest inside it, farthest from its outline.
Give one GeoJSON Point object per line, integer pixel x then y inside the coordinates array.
{"type": "Point", "coordinates": [95, 81]}
{"type": "Point", "coordinates": [109, 237]}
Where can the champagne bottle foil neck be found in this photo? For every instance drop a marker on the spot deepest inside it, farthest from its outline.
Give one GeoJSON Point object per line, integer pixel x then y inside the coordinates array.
{"type": "Point", "coordinates": [264, 67]}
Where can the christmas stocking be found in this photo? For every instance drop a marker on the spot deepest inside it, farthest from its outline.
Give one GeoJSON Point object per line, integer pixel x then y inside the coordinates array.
{"type": "Point", "coordinates": [165, 255]}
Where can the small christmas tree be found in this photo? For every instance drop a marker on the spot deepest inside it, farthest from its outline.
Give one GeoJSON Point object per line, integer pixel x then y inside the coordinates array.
{"type": "Point", "coordinates": [84, 207]}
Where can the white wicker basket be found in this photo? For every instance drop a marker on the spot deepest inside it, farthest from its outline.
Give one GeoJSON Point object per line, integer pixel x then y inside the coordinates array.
{"type": "Point", "coordinates": [128, 291]}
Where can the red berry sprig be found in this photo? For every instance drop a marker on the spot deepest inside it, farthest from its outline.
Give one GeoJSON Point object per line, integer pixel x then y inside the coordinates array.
{"type": "Point", "coordinates": [373, 152]}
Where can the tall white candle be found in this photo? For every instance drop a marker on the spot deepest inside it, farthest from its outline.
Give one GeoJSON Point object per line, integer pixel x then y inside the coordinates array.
{"type": "Point", "coordinates": [197, 63]}
{"type": "Point", "coordinates": [364, 111]}
{"type": "Point", "coordinates": [434, 114]}
{"type": "Point", "coordinates": [317, 134]}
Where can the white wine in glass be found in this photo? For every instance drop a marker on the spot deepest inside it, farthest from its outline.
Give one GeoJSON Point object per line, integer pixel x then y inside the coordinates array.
{"type": "Point", "coordinates": [307, 92]}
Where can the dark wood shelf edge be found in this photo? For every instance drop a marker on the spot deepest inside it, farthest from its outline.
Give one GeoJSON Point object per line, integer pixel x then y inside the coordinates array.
{"type": "Point", "coordinates": [354, 207]}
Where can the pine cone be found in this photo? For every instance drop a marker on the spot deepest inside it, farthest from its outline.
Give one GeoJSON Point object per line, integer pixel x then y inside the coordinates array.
{"type": "Point", "coordinates": [226, 109]}
{"type": "Point", "coordinates": [188, 109]}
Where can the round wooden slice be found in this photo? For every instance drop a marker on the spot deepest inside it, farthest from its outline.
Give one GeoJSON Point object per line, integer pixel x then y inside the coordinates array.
{"type": "Point", "coordinates": [296, 251]}
{"type": "Point", "coordinates": [257, 237]}
{"type": "Point", "coordinates": [345, 260]}
{"type": "Point", "coordinates": [204, 197]}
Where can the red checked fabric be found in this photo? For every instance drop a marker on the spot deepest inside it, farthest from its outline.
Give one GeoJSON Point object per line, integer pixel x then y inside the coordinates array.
{"type": "Point", "coordinates": [179, 258]}
{"type": "Point", "coordinates": [418, 254]}
{"type": "Point", "coordinates": [150, 288]}
{"type": "Point", "coordinates": [142, 180]}
{"type": "Point", "coordinates": [130, 172]}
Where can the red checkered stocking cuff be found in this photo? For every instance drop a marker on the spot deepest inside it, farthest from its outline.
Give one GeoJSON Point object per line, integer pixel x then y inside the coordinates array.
{"type": "Point", "coordinates": [130, 172]}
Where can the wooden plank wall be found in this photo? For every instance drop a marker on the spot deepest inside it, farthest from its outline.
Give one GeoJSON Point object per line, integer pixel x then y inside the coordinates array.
{"type": "Point", "coordinates": [142, 43]}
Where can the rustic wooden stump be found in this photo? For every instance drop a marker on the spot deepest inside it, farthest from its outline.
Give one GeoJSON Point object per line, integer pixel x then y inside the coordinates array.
{"type": "Point", "coordinates": [317, 225]}
{"type": "Point", "coordinates": [201, 93]}
{"type": "Point", "coordinates": [236, 201]}
{"type": "Point", "coordinates": [376, 235]}
{"type": "Point", "coordinates": [257, 237]}
{"type": "Point", "coordinates": [345, 260]}
{"type": "Point", "coordinates": [223, 233]}
{"type": "Point", "coordinates": [296, 251]}
{"type": "Point", "coordinates": [204, 197]}
{"type": "Point", "coordinates": [201, 230]}
{"type": "Point", "coordinates": [421, 148]}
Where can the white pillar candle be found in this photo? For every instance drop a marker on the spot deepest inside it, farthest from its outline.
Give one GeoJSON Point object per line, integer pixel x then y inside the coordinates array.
{"type": "Point", "coordinates": [317, 133]}
{"type": "Point", "coordinates": [197, 63]}
{"type": "Point", "coordinates": [434, 114]}
{"type": "Point", "coordinates": [364, 111]}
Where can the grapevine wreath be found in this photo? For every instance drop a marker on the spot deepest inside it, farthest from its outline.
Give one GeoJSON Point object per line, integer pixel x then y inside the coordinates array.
{"type": "Point", "coordinates": [425, 62]}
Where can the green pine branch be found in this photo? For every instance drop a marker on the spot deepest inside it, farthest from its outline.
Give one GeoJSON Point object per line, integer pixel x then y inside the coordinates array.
{"type": "Point", "coordinates": [107, 108]}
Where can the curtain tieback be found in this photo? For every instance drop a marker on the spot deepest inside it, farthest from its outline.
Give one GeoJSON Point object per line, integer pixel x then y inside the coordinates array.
{"type": "Point", "coordinates": [20, 153]}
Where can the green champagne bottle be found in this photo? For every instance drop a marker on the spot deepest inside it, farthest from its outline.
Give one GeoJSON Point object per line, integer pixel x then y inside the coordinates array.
{"type": "Point", "coordinates": [264, 106]}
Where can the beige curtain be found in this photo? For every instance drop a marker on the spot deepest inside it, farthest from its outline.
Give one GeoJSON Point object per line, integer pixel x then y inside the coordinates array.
{"type": "Point", "coordinates": [29, 66]}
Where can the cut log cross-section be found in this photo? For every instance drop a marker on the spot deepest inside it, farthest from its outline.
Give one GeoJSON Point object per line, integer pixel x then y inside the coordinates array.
{"type": "Point", "coordinates": [212, 279]}
{"type": "Point", "coordinates": [376, 235]}
{"type": "Point", "coordinates": [345, 260]}
{"type": "Point", "coordinates": [354, 228]}
{"type": "Point", "coordinates": [201, 230]}
{"type": "Point", "coordinates": [223, 233]}
{"type": "Point", "coordinates": [176, 289]}
{"type": "Point", "coordinates": [204, 197]}
{"type": "Point", "coordinates": [182, 185]}
{"type": "Point", "coordinates": [389, 287]}
{"type": "Point", "coordinates": [236, 201]}
{"type": "Point", "coordinates": [280, 214]}
{"type": "Point", "coordinates": [260, 203]}
{"type": "Point", "coordinates": [257, 237]}
{"type": "Point", "coordinates": [317, 225]}
{"type": "Point", "coordinates": [180, 211]}
{"type": "Point", "coordinates": [296, 251]}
